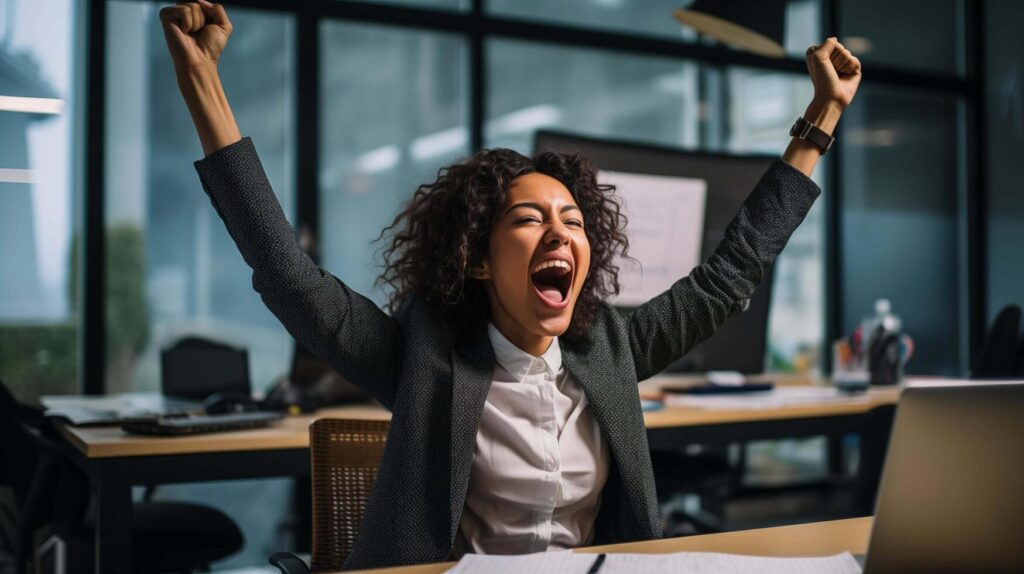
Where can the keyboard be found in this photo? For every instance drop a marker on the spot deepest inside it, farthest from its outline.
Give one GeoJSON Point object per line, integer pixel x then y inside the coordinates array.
{"type": "Point", "coordinates": [198, 424]}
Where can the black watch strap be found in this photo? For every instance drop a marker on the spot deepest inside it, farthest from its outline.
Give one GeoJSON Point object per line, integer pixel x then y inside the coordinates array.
{"type": "Point", "coordinates": [805, 130]}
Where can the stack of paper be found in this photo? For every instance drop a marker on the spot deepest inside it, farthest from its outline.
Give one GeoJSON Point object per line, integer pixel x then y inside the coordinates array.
{"type": "Point", "coordinates": [688, 562]}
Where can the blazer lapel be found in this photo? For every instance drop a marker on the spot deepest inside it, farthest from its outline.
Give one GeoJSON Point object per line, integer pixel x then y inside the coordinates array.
{"type": "Point", "coordinates": [472, 373]}
{"type": "Point", "coordinates": [614, 399]}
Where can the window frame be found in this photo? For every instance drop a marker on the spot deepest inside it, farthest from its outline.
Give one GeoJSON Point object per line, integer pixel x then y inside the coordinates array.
{"type": "Point", "coordinates": [477, 26]}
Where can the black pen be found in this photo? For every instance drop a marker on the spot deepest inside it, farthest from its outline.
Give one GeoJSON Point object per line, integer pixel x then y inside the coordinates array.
{"type": "Point", "coordinates": [596, 565]}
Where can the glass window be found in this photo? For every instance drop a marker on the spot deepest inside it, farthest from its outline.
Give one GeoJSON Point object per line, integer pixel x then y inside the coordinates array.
{"type": "Point", "coordinates": [394, 109]}
{"type": "Point", "coordinates": [893, 33]}
{"type": "Point", "coordinates": [678, 103]}
{"type": "Point", "coordinates": [173, 270]}
{"type": "Point", "coordinates": [443, 4]}
{"type": "Point", "coordinates": [652, 18]}
{"type": "Point", "coordinates": [899, 218]}
{"type": "Point", "coordinates": [39, 301]}
{"type": "Point", "coordinates": [1004, 115]}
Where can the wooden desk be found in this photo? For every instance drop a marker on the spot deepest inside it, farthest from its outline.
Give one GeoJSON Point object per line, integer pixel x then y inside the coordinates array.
{"type": "Point", "coordinates": [814, 539]}
{"type": "Point", "coordinates": [291, 433]}
{"type": "Point", "coordinates": [116, 461]}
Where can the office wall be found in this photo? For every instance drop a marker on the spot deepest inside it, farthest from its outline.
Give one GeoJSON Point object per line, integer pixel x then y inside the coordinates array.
{"type": "Point", "coordinates": [1004, 148]}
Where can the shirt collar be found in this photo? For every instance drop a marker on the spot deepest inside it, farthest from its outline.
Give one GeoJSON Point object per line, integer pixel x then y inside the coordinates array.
{"type": "Point", "coordinates": [517, 361]}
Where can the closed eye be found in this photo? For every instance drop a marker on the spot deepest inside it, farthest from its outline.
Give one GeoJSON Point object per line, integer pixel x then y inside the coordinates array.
{"type": "Point", "coordinates": [575, 222]}
{"type": "Point", "coordinates": [527, 220]}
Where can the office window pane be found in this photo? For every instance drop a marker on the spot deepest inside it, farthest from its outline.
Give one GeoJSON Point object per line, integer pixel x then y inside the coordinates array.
{"type": "Point", "coordinates": [39, 301]}
{"type": "Point", "coordinates": [173, 270]}
{"type": "Point", "coordinates": [394, 109]}
{"type": "Point", "coordinates": [443, 4]}
{"type": "Point", "coordinates": [894, 33]}
{"type": "Point", "coordinates": [652, 18]}
{"type": "Point", "coordinates": [677, 103]}
{"type": "Point", "coordinates": [1004, 131]}
{"type": "Point", "coordinates": [899, 218]}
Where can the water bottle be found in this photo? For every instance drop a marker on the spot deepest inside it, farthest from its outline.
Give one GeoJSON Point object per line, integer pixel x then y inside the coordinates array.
{"type": "Point", "coordinates": [886, 347]}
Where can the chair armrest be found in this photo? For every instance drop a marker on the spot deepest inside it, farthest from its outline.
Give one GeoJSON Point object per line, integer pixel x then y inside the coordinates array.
{"type": "Point", "coordinates": [289, 563]}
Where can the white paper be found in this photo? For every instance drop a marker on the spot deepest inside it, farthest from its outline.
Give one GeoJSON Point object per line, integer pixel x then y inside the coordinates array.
{"type": "Point", "coordinates": [714, 563]}
{"type": "Point", "coordinates": [539, 563]}
{"type": "Point", "coordinates": [688, 562]}
{"type": "Point", "coordinates": [777, 397]}
{"type": "Point", "coordinates": [665, 230]}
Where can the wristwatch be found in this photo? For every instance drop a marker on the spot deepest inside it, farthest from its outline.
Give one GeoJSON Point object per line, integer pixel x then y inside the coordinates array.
{"type": "Point", "coordinates": [807, 131]}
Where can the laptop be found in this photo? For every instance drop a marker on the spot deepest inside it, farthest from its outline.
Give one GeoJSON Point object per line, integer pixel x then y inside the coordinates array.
{"type": "Point", "coordinates": [952, 492]}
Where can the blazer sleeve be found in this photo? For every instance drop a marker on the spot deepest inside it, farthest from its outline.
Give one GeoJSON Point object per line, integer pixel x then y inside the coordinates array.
{"type": "Point", "coordinates": [671, 324]}
{"type": "Point", "coordinates": [343, 327]}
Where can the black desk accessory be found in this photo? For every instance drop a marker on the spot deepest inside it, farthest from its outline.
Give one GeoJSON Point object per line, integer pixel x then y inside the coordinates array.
{"type": "Point", "coordinates": [198, 424]}
{"type": "Point", "coordinates": [712, 389]}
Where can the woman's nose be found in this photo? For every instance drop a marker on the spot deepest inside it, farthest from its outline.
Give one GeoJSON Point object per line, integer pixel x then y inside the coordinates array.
{"type": "Point", "coordinates": [557, 235]}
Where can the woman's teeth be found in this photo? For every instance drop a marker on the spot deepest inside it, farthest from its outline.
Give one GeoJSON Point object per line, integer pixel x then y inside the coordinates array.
{"type": "Point", "coordinates": [553, 263]}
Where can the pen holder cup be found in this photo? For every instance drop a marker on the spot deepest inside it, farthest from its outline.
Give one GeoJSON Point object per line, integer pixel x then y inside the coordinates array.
{"type": "Point", "coordinates": [887, 357]}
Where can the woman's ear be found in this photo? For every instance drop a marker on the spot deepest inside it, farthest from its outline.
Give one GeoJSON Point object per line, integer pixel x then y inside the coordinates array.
{"type": "Point", "coordinates": [481, 271]}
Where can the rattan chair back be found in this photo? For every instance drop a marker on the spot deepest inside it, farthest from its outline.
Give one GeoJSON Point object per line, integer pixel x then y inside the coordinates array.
{"type": "Point", "coordinates": [345, 454]}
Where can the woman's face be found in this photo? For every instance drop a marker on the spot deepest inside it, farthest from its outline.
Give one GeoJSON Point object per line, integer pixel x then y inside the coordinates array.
{"type": "Point", "coordinates": [538, 259]}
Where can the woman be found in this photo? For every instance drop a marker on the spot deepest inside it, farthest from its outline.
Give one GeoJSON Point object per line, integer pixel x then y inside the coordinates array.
{"type": "Point", "coordinates": [516, 423]}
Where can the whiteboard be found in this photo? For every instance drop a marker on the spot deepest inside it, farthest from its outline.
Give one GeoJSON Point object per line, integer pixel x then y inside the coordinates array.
{"type": "Point", "coordinates": [665, 229]}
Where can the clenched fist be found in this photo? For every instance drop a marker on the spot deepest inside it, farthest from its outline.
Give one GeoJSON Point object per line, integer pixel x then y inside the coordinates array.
{"type": "Point", "coordinates": [834, 71]}
{"type": "Point", "coordinates": [196, 32]}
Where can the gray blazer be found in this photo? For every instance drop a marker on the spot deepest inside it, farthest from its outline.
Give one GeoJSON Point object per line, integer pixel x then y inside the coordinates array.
{"type": "Point", "coordinates": [435, 383]}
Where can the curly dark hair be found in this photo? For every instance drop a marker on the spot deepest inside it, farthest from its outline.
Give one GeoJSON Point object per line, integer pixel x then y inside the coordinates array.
{"type": "Point", "coordinates": [442, 233]}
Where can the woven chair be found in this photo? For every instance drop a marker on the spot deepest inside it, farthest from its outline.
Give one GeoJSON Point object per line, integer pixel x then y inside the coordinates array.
{"type": "Point", "coordinates": [344, 456]}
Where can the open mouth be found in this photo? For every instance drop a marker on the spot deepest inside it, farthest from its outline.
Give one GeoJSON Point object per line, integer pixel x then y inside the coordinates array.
{"type": "Point", "coordinates": [553, 279]}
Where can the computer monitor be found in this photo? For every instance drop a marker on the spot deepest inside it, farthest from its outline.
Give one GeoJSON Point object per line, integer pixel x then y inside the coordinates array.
{"type": "Point", "coordinates": [195, 368]}
{"type": "Point", "coordinates": [739, 344]}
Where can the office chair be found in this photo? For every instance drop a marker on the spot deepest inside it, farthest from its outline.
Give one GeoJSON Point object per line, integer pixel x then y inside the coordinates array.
{"type": "Point", "coordinates": [344, 456]}
{"type": "Point", "coordinates": [708, 475]}
{"type": "Point", "coordinates": [52, 491]}
{"type": "Point", "coordinates": [1019, 370]}
{"type": "Point", "coordinates": [997, 356]}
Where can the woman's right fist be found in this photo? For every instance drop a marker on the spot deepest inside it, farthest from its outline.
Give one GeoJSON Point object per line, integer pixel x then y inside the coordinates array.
{"type": "Point", "coordinates": [196, 32]}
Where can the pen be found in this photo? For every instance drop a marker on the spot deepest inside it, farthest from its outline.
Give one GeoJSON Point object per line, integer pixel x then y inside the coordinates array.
{"type": "Point", "coordinates": [596, 565]}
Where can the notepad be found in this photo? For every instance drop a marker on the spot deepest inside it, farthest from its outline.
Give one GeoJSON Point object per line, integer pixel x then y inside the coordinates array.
{"type": "Point", "coordinates": [689, 562]}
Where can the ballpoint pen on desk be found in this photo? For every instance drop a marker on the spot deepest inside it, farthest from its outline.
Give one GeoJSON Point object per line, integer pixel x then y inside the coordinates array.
{"type": "Point", "coordinates": [596, 565]}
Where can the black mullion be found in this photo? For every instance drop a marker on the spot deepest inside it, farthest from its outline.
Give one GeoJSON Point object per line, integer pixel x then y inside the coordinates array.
{"type": "Point", "coordinates": [833, 224]}
{"type": "Point", "coordinates": [92, 258]}
{"type": "Point", "coordinates": [478, 23]}
{"type": "Point", "coordinates": [307, 114]}
{"type": "Point", "coordinates": [477, 79]}
{"type": "Point", "coordinates": [977, 183]}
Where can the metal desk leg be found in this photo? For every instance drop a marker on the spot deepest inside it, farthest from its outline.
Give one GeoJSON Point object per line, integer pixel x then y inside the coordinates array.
{"type": "Point", "coordinates": [836, 455]}
{"type": "Point", "coordinates": [113, 519]}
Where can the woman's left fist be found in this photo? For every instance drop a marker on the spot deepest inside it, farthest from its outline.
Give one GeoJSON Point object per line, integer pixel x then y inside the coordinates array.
{"type": "Point", "coordinates": [834, 71]}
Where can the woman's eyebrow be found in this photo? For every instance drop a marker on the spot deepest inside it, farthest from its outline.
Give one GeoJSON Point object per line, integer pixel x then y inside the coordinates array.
{"type": "Point", "coordinates": [538, 207]}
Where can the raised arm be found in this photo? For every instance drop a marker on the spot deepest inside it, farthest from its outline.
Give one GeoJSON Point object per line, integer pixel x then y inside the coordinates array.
{"type": "Point", "coordinates": [320, 311]}
{"type": "Point", "coordinates": [668, 326]}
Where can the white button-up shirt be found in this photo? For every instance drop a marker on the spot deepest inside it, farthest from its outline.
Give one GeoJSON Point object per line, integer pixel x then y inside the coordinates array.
{"type": "Point", "coordinates": [540, 460]}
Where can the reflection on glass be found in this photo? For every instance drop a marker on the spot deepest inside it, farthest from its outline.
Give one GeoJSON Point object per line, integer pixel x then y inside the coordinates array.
{"type": "Point", "coordinates": [677, 103]}
{"type": "Point", "coordinates": [38, 301]}
{"type": "Point", "coordinates": [891, 33]}
{"type": "Point", "coordinates": [652, 18]}
{"type": "Point", "coordinates": [394, 109]}
{"type": "Point", "coordinates": [173, 270]}
{"type": "Point", "coordinates": [899, 218]}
